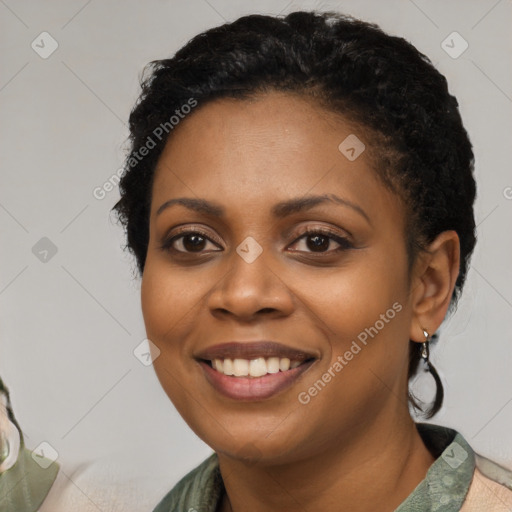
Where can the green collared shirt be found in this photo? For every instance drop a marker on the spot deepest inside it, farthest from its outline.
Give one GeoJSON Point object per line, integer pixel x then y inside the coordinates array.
{"type": "Point", "coordinates": [444, 488]}
{"type": "Point", "coordinates": [24, 486]}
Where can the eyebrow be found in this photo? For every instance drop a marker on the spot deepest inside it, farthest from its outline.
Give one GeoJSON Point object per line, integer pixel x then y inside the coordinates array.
{"type": "Point", "coordinates": [280, 210]}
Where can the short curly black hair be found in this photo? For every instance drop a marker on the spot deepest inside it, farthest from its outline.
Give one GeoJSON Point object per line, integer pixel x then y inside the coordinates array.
{"type": "Point", "coordinates": [380, 82]}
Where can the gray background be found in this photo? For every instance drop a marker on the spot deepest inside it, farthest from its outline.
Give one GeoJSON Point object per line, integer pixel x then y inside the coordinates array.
{"type": "Point", "coordinates": [69, 325]}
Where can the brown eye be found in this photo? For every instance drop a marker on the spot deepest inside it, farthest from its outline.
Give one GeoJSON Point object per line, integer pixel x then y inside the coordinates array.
{"type": "Point", "coordinates": [193, 242]}
{"type": "Point", "coordinates": [188, 242]}
{"type": "Point", "coordinates": [319, 241]}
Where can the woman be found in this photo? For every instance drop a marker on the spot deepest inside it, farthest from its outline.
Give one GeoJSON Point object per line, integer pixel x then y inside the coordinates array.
{"type": "Point", "coordinates": [299, 198]}
{"type": "Point", "coordinates": [25, 477]}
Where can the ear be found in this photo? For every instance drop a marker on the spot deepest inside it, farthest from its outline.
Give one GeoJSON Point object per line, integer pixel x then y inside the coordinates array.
{"type": "Point", "coordinates": [434, 278]}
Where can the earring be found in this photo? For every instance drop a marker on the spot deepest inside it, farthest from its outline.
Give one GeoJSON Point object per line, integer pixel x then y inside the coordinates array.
{"type": "Point", "coordinates": [425, 348]}
{"type": "Point", "coordinates": [429, 368]}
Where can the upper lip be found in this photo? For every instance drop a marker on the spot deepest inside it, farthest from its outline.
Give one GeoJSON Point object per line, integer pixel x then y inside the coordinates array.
{"type": "Point", "coordinates": [253, 350]}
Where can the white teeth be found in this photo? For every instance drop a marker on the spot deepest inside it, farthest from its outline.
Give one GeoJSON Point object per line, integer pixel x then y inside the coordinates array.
{"type": "Point", "coordinates": [241, 367]}
{"type": "Point", "coordinates": [284, 364]}
{"type": "Point", "coordinates": [255, 367]}
{"type": "Point", "coordinates": [228, 367]}
{"type": "Point", "coordinates": [272, 364]}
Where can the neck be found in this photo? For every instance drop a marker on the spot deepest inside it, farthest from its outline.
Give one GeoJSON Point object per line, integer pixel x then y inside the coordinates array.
{"type": "Point", "coordinates": [373, 470]}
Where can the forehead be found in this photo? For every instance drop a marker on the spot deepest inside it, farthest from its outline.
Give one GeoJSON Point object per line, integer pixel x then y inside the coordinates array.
{"type": "Point", "coordinates": [265, 149]}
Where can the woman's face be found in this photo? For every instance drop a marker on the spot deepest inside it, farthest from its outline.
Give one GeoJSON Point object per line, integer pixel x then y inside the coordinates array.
{"type": "Point", "coordinates": [231, 268]}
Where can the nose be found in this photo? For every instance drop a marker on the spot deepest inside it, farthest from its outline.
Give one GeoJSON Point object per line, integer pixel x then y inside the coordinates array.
{"type": "Point", "coordinates": [249, 291]}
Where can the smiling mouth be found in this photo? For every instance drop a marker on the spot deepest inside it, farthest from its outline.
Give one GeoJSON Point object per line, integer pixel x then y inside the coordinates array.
{"type": "Point", "coordinates": [254, 368]}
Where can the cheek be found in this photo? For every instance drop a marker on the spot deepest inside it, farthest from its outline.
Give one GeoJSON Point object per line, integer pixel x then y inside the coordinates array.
{"type": "Point", "coordinates": [169, 306]}
{"type": "Point", "coordinates": [368, 329]}
{"type": "Point", "coordinates": [166, 299]}
{"type": "Point", "coordinates": [167, 293]}
{"type": "Point", "coordinates": [173, 303]}
{"type": "Point", "coordinates": [367, 316]}
{"type": "Point", "coordinates": [354, 300]}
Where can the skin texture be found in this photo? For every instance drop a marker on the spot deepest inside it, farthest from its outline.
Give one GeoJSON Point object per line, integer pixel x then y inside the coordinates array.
{"type": "Point", "coordinates": [353, 446]}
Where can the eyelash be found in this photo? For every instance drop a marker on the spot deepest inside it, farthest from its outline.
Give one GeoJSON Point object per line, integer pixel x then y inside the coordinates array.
{"type": "Point", "coordinates": [342, 241]}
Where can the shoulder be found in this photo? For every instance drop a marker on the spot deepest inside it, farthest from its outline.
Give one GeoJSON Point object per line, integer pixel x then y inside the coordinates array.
{"type": "Point", "coordinates": [107, 483]}
{"type": "Point", "coordinates": [490, 488]}
{"type": "Point", "coordinates": [25, 485]}
{"type": "Point", "coordinates": [460, 478]}
{"type": "Point", "coordinates": [200, 489]}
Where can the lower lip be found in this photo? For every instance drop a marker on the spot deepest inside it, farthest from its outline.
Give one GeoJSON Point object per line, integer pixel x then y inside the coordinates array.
{"type": "Point", "coordinates": [253, 388]}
